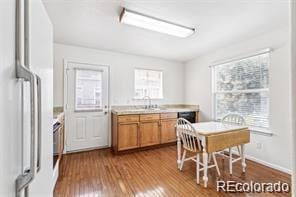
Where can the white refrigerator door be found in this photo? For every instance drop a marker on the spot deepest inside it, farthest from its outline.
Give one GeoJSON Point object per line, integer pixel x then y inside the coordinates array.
{"type": "Point", "coordinates": [41, 63]}
{"type": "Point", "coordinates": [10, 103]}
{"type": "Point", "coordinates": [12, 145]}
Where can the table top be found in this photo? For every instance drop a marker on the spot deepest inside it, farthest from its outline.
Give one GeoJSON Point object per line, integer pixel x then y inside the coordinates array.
{"type": "Point", "coordinates": [211, 128]}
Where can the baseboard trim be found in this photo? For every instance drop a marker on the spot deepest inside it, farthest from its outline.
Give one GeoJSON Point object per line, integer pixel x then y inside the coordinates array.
{"type": "Point", "coordinates": [87, 149]}
{"type": "Point", "coordinates": [274, 166]}
{"type": "Point", "coordinates": [262, 162]}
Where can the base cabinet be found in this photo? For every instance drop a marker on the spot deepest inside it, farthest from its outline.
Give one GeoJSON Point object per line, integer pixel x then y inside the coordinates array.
{"type": "Point", "coordinates": [142, 130]}
{"type": "Point", "coordinates": [149, 133]}
{"type": "Point", "coordinates": [128, 136]}
{"type": "Point", "coordinates": [168, 131]}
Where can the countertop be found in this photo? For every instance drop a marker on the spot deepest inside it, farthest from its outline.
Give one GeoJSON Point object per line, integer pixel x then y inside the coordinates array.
{"type": "Point", "coordinates": [58, 112]}
{"type": "Point", "coordinates": [125, 110]}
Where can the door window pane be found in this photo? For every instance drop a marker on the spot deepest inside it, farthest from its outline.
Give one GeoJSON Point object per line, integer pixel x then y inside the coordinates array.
{"type": "Point", "coordinates": [88, 90]}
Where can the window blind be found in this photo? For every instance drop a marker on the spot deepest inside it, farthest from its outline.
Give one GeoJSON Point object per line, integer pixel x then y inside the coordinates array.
{"type": "Point", "coordinates": [241, 87]}
{"type": "Point", "coordinates": [148, 83]}
{"type": "Point", "coordinates": [88, 90]}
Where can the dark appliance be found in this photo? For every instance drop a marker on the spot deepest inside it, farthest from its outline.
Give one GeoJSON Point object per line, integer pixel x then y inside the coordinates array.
{"type": "Point", "coordinates": [190, 116]}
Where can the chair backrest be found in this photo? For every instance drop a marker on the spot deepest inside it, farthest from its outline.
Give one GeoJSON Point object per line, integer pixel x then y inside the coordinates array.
{"type": "Point", "coordinates": [234, 119]}
{"type": "Point", "coordinates": [188, 135]}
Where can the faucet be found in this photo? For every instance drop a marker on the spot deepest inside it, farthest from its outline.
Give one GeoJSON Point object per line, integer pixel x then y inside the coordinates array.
{"type": "Point", "coordinates": [149, 100]}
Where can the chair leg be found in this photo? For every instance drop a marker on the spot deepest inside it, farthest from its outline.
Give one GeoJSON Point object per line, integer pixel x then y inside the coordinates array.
{"type": "Point", "coordinates": [215, 162]}
{"type": "Point", "coordinates": [197, 168]}
{"type": "Point", "coordinates": [183, 158]}
{"type": "Point", "coordinates": [230, 161]}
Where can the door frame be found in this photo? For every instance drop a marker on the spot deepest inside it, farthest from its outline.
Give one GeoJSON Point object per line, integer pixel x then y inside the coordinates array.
{"type": "Point", "coordinates": [293, 92]}
{"type": "Point", "coordinates": [65, 94]}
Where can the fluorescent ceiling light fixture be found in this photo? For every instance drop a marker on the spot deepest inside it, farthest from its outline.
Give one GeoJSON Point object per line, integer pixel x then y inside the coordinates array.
{"type": "Point", "coordinates": [154, 24]}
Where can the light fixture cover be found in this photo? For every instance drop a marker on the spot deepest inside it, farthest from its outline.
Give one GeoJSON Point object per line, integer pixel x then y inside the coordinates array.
{"type": "Point", "coordinates": [154, 24]}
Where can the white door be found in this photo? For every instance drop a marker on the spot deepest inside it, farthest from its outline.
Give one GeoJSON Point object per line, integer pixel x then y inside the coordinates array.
{"type": "Point", "coordinates": [86, 106]}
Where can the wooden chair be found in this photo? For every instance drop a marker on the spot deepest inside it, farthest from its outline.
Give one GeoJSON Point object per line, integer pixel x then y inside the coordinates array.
{"type": "Point", "coordinates": [236, 120]}
{"type": "Point", "coordinates": [191, 143]}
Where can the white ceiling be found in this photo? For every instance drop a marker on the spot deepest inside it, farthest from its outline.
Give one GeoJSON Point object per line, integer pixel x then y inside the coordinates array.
{"type": "Point", "coordinates": [94, 24]}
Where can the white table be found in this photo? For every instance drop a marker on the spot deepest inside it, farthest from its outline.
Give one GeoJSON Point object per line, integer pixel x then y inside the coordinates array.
{"type": "Point", "coordinates": [217, 136]}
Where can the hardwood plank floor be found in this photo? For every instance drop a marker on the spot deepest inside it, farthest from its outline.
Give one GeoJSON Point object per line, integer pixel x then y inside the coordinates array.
{"type": "Point", "coordinates": [150, 173]}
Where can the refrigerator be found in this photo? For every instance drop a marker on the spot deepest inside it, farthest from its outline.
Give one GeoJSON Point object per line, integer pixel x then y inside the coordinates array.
{"type": "Point", "coordinates": [26, 99]}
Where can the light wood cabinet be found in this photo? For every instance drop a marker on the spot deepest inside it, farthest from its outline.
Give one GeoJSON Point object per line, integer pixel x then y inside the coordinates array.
{"type": "Point", "coordinates": [149, 133]}
{"type": "Point", "coordinates": [128, 136]}
{"type": "Point", "coordinates": [168, 116]}
{"type": "Point", "coordinates": [149, 117]}
{"type": "Point", "coordinates": [140, 131]}
{"type": "Point", "coordinates": [168, 131]}
{"type": "Point", "coordinates": [128, 118]}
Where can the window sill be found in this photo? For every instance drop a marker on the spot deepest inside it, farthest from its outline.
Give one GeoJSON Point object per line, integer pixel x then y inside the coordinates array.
{"type": "Point", "coordinates": [261, 131]}
{"type": "Point", "coordinates": [136, 98]}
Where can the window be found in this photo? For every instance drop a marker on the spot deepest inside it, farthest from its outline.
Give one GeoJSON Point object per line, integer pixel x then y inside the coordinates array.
{"type": "Point", "coordinates": [148, 83]}
{"type": "Point", "coordinates": [88, 90]}
{"type": "Point", "coordinates": [241, 87]}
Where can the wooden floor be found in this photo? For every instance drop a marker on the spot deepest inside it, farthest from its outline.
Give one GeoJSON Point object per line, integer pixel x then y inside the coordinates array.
{"type": "Point", "coordinates": [149, 173]}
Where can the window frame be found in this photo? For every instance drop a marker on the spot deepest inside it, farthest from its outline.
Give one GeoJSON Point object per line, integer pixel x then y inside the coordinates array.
{"type": "Point", "coordinates": [259, 90]}
{"type": "Point", "coordinates": [134, 83]}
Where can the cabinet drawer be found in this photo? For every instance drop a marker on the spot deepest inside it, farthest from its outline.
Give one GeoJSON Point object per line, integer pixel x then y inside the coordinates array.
{"type": "Point", "coordinates": [168, 115]}
{"type": "Point", "coordinates": [128, 118]}
{"type": "Point", "coordinates": [147, 117]}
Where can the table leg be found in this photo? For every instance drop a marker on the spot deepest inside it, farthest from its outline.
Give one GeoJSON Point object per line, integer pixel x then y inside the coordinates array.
{"type": "Point", "coordinates": [205, 163]}
{"type": "Point", "coordinates": [244, 165]}
{"type": "Point", "coordinates": [230, 161]}
{"type": "Point", "coordinates": [178, 151]}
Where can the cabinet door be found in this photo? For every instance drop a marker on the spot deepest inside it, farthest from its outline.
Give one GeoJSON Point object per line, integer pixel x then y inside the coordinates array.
{"type": "Point", "coordinates": [149, 133]}
{"type": "Point", "coordinates": [168, 132]}
{"type": "Point", "coordinates": [127, 136]}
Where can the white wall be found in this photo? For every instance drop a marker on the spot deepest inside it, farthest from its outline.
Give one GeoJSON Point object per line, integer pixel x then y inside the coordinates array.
{"type": "Point", "coordinates": [121, 73]}
{"type": "Point", "coordinates": [276, 149]}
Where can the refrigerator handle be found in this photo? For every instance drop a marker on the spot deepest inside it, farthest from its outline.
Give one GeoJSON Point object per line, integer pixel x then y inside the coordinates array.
{"type": "Point", "coordinates": [39, 142]}
{"type": "Point", "coordinates": [26, 177]}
